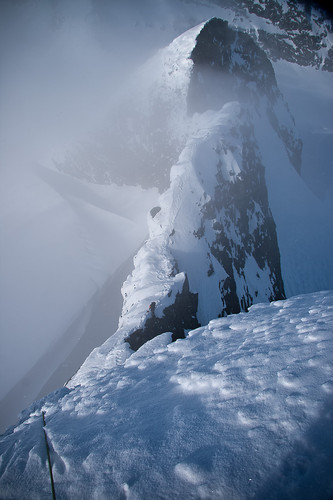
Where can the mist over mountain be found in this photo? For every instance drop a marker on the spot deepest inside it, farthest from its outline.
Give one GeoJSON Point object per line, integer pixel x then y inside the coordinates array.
{"type": "Point", "coordinates": [178, 152]}
{"type": "Point", "coordinates": [143, 136]}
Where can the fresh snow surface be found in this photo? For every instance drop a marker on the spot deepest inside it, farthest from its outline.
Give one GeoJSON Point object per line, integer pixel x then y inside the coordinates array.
{"type": "Point", "coordinates": [61, 241]}
{"type": "Point", "coordinates": [241, 408]}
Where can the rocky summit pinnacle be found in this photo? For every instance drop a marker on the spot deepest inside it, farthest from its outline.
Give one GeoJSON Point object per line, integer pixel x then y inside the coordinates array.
{"type": "Point", "coordinates": [227, 63]}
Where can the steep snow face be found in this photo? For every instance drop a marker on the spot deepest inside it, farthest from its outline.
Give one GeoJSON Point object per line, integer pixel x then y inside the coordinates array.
{"type": "Point", "coordinates": [240, 408]}
{"type": "Point", "coordinates": [214, 225]}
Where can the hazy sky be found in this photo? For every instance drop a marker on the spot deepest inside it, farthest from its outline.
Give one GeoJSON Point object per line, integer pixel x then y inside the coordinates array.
{"type": "Point", "coordinates": [54, 75]}
{"type": "Point", "coordinates": [61, 62]}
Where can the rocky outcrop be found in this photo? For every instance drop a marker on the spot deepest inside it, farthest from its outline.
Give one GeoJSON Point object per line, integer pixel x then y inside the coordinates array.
{"type": "Point", "coordinates": [238, 214]}
{"type": "Point", "coordinates": [227, 63]}
{"type": "Point", "coordinates": [176, 318]}
{"type": "Point", "coordinates": [301, 32]}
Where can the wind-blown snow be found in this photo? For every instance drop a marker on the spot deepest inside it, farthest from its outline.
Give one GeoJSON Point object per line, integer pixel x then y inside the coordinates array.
{"type": "Point", "coordinates": [242, 408]}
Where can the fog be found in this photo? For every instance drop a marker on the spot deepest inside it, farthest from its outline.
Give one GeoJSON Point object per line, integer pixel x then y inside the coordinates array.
{"type": "Point", "coordinates": [57, 75]}
{"type": "Point", "coordinates": [63, 66]}
{"type": "Point", "coordinates": [62, 63]}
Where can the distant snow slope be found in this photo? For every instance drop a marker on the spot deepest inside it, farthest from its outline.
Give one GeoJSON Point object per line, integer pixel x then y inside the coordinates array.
{"type": "Point", "coordinates": [61, 240]}
{"type": "Point", "coordinates": [310, 98]}
{"type": "Point", "coordinates": [241, 408]}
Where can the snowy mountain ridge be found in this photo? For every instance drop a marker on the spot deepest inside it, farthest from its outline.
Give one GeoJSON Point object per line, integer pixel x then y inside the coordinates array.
{"type": "Point", "coordinates": [213, 231]}
{"type": "Point", "coordinates": [235, 225]}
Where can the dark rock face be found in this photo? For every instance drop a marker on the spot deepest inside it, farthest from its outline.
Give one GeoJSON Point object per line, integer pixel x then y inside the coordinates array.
{"type": "Point", "coordinates": [328, 65]}
{"type": "Point", "coordinates": [141, 149]}
{"type": "Point", "coordinates": [298, 44]}
{"type": "Point", "coordinates": [229, 65]}
{"type": "Point", "coordinates": [225, 63]}
{"type": "Point", "coordinates": [241, 219]}
{"type": "Point", "coordinates": [278, 47]}
{"type": "Point", "coordinates": [177, 318]}
{"type": "Point", "coordinates": [238, 212]}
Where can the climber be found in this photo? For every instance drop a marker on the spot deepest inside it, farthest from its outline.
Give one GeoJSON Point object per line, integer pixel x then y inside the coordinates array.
{"type": "Point", "coordinates": [152, 308]}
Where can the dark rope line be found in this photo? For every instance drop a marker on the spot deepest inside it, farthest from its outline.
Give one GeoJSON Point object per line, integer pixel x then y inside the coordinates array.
{"type": "Point", "coordinates": [48, 457]}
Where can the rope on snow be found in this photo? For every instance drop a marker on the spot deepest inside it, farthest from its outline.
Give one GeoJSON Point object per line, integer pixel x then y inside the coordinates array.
{"type": "Point", "coordinates": [48, 457]}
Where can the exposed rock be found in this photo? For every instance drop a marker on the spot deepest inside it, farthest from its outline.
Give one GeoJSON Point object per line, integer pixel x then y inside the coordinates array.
{"type": "Point", "coordinates": [299, 43]}
{"type": "Point", "coordinates": [234, 208]}
{"type": "Point", "coordinates": [177, 318]}
{"type": "Point", "coordinates": [226, 62]}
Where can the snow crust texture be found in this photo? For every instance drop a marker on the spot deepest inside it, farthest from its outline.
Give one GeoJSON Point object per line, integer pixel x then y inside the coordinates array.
{"type": "Point", "coordinates": [241, 408]}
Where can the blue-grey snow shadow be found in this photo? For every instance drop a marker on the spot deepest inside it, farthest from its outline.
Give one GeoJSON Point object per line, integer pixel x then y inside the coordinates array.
{"type": "Point", "coordinates": [306, 473]}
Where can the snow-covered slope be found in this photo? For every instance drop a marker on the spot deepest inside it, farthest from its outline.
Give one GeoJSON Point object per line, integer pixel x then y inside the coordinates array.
{"type": "Point", "coordinates": [241, 408]}
{"type": "Point", "coordinates": [61, 240]}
